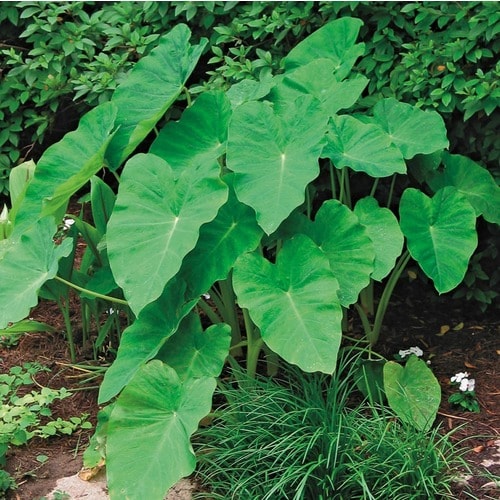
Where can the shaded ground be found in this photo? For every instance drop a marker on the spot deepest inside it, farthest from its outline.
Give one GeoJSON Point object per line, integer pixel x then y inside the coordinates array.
{"type": "Point", "coordinates": [416, 317]}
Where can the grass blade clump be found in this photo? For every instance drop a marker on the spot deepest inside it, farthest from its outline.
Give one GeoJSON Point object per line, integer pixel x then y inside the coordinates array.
{"type": "Point", "coordinates": [306, 437]}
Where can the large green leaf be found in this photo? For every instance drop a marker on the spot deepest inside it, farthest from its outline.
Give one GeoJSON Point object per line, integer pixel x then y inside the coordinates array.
{"type": "Point", "coordinates": [199, 136]}
{"type": "Point", "coordinates": [383, 229]}
{"type": "Point", "coordinates": [441, 234]}
{"type": "Point", "coordinates": [148, 448]}
{"type": "Point", "coordinates": [294, 303]}
{"type": "Point", "coordinates": [275, 156]}
{"type": "Point", "coordinates": [156, 222]}
{"type": "Point", "coordinates": [411, 129]}
{"type": "Point", "coordinates": [335, 41]}
{"type": "Point", "coordinates": [347, 245]}
{"type": "Point", "coordinates": [233, 232]}
{"type": "Point", "coordinates": [412, 392]}
{"type": "Point", "coordinates": [195, 353]}
{"type": "Point", "coordinates": [152, 86]}
{"type": "Point", "coordinates": [66, 166]}
{"type": "Point", "coordinates": [364, 147]}
{"type": "Point", "coordinates": [26, 264]}
{"type": "Point", "coordinates": [474, 182]}
{"type": "Point", "coordinates": [142, 340]}
{"type": "Point", "coordinates": [319, 80]}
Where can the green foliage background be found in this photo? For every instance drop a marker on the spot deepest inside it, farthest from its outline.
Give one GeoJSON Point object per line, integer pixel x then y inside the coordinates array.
{"type": "Point", "coordinates": [59, 59]}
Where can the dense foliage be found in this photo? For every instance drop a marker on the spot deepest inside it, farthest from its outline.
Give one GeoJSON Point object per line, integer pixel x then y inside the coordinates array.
{"type": "Point", "coordinates": [58, 59]}
{"type": "Point", "coordinates": [272, 203]}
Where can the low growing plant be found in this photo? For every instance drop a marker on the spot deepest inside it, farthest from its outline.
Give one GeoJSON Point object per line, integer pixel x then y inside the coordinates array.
{"type": "Point", "coordinates": [275, 200]}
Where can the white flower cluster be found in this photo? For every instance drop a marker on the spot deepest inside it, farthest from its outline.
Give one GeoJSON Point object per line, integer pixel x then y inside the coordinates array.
{"type": "Point", "coordinates": [412, 350]}
{"type": "Point", "coordinates": [67, 223]}
{"type": "Point", "coordinates": [466, 384]}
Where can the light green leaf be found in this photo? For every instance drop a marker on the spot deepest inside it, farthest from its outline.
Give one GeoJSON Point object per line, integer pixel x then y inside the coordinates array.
{"type": "Point", "coordinates": [383, 229]}
{"type": "Point", "coordinates": [474, 182]}
{"type": "Point", "coordinates": [274, 157]}
{"type": "Point", "coordinates": [346, 243]}
{"type": "Point", "coordinates": [19, 178]}
{"type": "Point", "coordinates": [335, 41]}
{"type": "Point", "coordinates": [411, 129]}
{"type": "Point", "coordinates": [318, 79]}
{"type": "Point", "coordinates": [102, 202]}
{"type": "Point", "coordinates": [158, 214]}
{"type": "Point", "coordinates": [66, 166]}
{"type": "Point", "coordinates": [195, 353]}
{"type": "Point", "coordinates": [151, 88]}
{"type": "Point", "coordinates": [294, 303]}
{"type": "Point", "coordinates": [412, 392]}
{"type": "Point", "coordinates": [148, 448]}
{"type": "Point", "coordinates": [441, 234]}
{"type": "Point", "coordinates": [142, 340]}
{"type": "Point", "coordinates": [248, 90]}
{"type": "Point", "coordinates": [199, 136]}
{"type": "Point", "coordinates": [363, 147]}
{"type": "Point", "coordinates": [26, 265]}
{"type": "Point", "coordinates": [233, 232]}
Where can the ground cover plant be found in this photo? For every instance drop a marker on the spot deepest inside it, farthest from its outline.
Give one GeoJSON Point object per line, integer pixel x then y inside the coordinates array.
{"type": "Point", "coordinates": [304, 436]}
{"type": "Point", "coordinates": [264, 199]}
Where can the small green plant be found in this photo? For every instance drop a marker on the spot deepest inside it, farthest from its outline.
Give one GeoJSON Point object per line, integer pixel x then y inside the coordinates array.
{"type": "Point", "coordinates": [25, 416]}
{"type": "Point", "coordinates": [466, 395]}
{"type": "Point", "coordinates": [301, 436]}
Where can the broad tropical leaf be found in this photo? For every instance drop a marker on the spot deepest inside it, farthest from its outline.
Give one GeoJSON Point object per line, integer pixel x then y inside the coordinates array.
{"type": "Point", "coordinates": [347, 244]}
{"type": "Point", "coordinates": [195, 353]}
{"type": "Point", "coordinates": [294, 303]}
{"type": "Point", "coordinates": [383, 229]}
{"type": "Point", "coordinates": [364, 147]}
{"type": "Point", "coordinates": [233, 232]}
{"type": "Point", "coordinates": [148, 447]}
{"type": "Point", "coordinates": [142, 340]}
{"type": "Point", "coordinates": [66, 166]}
{"type": "Point", "coordinates": [156, 222]}
{"type": "Point", "coordinates": [151, 88]}
{"type": "Point", "coordinates": [274, 157]}
{"type": "Point", "coordinates": [411, 129]}
{"type": "Point", "coordinates": [199, 136]}
{"type": "Point", "coordinates": [474, 182]}
{"type": "Point", "coordinates": [441, 234]}
{"type": "Point", "coordinates": [26, 264]}
{"type": "Point", "coordinates": [412, 392]}
{"type": "Point", "coordinates": [335, 41]}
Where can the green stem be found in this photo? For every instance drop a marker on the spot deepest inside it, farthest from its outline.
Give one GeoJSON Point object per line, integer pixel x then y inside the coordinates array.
{"type": "Point", "coordinates": [90, 292]}
{"type": "Point", "coordinates": [386, 295]}
{"type": "Point", "coordinates": [366, 298]}
{"type": "Point", "coordinates": [391, 190]}
{"type": "Point", "coordinates": [374, 187]}
{"type": "Point", "coordinates": [211, 314]}
{"type": "Point", "coordinates": [308, 202]}
{"type": "Point", "coordinates": [188, 96]}
{"type": "Point", "coordinates": [229, 314]}
{"type": "Point", "coordinates": [332, 180]}
{"type": "Point", "coordinates": [69, 330]}
{"type": "Point", "coordinates": [254, 344]}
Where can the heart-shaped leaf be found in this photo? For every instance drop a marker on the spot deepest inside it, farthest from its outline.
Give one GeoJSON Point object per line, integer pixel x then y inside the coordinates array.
{"type": "Point", "coordinates": [27, 263]}
{"type": "Point", "coordinates": [347, 245]}
{"type": "Point", "coordinates": [412, 392]}
{"type": "Point", "coordinates": [294, 303]}
{"type": "Point", "coordinates": [148, 445]}
{"type": "Point", "coordinates": [152, 86]}
{"type": "Point", "coordinates": [274, 157]}
{"type": "Point", "coordinates": [474, 182]}
{"type": "Point", "coordinates": [383, 229]}
{"type": "Point", "coordinates": [158, 214]}
{"type": "Point", "coordinates": [195, 353]}
{"type": "Point", "coordinates": [441, 234]}
{"type": "Point", "coordinates": [411, 129]}
{"type": "Point", "coordinates": [364, 147]}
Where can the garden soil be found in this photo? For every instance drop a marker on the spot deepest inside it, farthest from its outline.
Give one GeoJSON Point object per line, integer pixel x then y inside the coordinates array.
{"type": "Point", "coordinates": [454, 335]}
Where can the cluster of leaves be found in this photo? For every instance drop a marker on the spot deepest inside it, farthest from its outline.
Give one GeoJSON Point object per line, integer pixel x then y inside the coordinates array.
{"type": "Point", "coordinates": [269, 197]}
{"type": "Point", "coordinates": [301, 436]}
{"type": "Point", "coordinates": [25, 416]}
{"type": "Point", "coordinates": [57, 59]}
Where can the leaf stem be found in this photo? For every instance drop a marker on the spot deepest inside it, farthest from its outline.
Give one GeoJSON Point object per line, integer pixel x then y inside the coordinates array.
{"type": "Point", "coordinates": [90, 292]}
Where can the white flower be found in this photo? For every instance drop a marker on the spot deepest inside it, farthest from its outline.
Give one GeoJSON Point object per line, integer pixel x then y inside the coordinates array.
{"type": "Point", "coordinates": [412, 350]}
{"type": "Point", "coordinates": [471, 384]}
{"type": "Point", "coordinates": [459, 376]}
{"type": "Point", "coordinates": [68, 223]}
{"type": "Point", "coordinates": [206, 296]}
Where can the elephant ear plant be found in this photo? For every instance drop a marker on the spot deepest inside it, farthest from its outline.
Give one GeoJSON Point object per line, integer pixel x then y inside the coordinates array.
{"type": "Point", "coordinates": [250, 206]}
